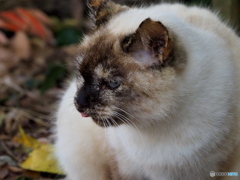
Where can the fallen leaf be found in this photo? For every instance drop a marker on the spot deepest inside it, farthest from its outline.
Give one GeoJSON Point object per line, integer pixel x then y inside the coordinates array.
{"type": "Point", "coordinates": [3, 38]}
{"type": "Point", "coordinates": [11, 17]}
{"type": "Point", "coordinates": [31, 21]}
{"type": "Point", "coordinates": [67, 36]}
{"type": "Point", "coordinates": [15, 169]}
{"type": "Point", "coordinates": [42, 160]}
{"type": "Point", "coordinates": [41, 16]}
{"type": "Point", "coordinates": [25, 140]}
{"type": "Point", "coordinates": [7, 160]}
{"type": "Point", "coordinates": [54, 73]}
{"type": "Point", "coordinates": [21, 45]}
{"type": "Point", "coordinates": [35, 26]}
{"type": "Point", "coordinates": [13, 118]}
{"type": "Point", "coordinates": [4, 137]}
{"type": "Point", "coordinates": [3, 171]}
{"type": "Point", "coordinates": [7, 60]}
{"type": "Point", "coordinates": [8, 26]}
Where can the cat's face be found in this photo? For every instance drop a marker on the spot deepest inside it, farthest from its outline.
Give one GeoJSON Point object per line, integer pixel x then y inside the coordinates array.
{"type": "Point", "coordinates": [126, 78]}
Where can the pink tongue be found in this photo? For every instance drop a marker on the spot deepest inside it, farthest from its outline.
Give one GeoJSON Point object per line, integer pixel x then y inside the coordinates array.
{"type": "Point", "coordinates": [84, 115]}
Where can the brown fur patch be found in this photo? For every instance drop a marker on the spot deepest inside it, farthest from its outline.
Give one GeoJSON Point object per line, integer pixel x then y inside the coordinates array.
{"type": "Point", "coordinates": [103, 10]}
{"type": "Point", "coordinates": [155, 35]}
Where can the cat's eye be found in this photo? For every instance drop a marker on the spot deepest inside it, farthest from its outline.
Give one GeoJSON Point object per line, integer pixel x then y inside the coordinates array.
{"type": "Point", "coordinates": [114, 84]}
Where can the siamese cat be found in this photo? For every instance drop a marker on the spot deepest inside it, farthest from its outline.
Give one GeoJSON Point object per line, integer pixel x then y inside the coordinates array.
{"type": "Point", "coordinates": [156, 97]}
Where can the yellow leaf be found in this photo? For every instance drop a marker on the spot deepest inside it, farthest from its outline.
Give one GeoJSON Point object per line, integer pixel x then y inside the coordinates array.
{"type": "Point", "coordinates": [26, 141]}
{"type": "Point", "coordinates": [42, 159]}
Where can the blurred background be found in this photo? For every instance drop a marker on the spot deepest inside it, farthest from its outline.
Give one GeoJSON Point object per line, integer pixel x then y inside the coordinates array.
{"type": "Point", "coordinates": [38, 42]}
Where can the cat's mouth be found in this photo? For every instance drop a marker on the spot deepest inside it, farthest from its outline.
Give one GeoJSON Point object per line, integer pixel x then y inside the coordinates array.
{"type": "Point", "coordinates": [103, 121]}
{"type": "Point", "coordinates": [100, 120]}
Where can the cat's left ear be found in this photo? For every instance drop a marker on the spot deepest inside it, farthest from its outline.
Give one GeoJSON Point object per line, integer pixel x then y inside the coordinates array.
{"type": "Point", "coordinates": [103, 10]}
{"type": "Point", "coordinates": [150, 44]}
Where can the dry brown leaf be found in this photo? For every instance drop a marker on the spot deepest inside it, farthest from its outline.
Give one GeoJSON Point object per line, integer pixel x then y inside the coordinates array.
{"type": "Point", "coordinates": [8, 59]}
{"type": "Point", "coordinates": [41, 16]}
{"type": "Point", "coordinates": [13, 119]}
{"type": "Point", "coordinates": [3, 38]}
{"type": "Point", "coordinates": [4, 171]}
{"type": "Point", "coordinates": [21, 45]}
{"type": "Point", "coordinates": [4, 137]}
{"type": "Point", "coordinates": [10, 121]}
{"type": "Point", "coordinates": [15, 169]}
{"type": "Point", "coordinates": [32, 174]}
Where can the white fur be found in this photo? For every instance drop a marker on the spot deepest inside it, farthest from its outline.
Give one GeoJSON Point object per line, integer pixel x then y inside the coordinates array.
{"type": "Point", "coordinates": [186, 148]}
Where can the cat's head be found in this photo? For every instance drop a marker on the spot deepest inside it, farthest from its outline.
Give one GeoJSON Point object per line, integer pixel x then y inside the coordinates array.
{"type": "Point", "coordinates": [126, 77]}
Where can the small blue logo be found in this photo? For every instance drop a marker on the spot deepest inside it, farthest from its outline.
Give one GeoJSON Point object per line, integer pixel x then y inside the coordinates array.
{"type": "Point", "coordinates": [213, 174]}
{"type": "Point", "coordinates": [232, 174]}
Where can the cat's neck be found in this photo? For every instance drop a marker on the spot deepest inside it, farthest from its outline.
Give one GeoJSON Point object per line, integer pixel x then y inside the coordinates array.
{"type": "Point", "coordinates": [149, 133]}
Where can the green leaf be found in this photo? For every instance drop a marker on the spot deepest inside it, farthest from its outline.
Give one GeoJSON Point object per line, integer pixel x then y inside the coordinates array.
{"type": "Point", "coordinates": [55, 73]}
{"type": "Point", "coordinates": [32, 83]}
{"type": "Point", "coordinates": [68, 35]}
{"type": "Point", "coordinates": [2, 117]}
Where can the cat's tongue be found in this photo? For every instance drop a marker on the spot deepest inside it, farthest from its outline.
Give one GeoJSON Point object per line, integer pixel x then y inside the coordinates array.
{"type": "Point", "coordinates": [84, 115]}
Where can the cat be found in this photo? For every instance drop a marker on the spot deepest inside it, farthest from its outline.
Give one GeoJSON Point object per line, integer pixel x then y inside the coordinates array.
{"type": "Point", "coordinates": [156, 97]}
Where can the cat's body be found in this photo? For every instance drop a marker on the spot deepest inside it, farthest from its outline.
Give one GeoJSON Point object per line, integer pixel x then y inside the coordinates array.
{"type": "Point", "coordinates": [185, 120]}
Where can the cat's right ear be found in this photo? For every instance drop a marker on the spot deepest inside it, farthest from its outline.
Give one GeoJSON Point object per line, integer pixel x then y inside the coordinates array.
{"type": "Point", "coordinates": [103, 10]}
{"type": "Point", "coordinates": [150, 44]}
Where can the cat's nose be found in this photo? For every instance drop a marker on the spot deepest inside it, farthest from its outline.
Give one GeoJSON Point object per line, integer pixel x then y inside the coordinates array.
{"type": "Point", "coordinates": [81, 102]}
{"type": "Point", "coordinates": [81, 99]}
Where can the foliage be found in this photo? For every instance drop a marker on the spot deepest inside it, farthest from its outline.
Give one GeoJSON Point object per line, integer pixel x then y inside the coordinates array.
{"type": "Point", "coordinates": [31, 21]}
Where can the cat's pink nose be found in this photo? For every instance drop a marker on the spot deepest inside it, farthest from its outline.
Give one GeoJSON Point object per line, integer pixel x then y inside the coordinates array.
{"type": "Point", "coordinates": [84, 115]}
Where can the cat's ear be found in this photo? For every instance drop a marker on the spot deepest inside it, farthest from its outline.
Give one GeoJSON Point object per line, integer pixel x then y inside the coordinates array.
{"type": "Point", "coordinates": [103, 10]}
{"type": "Point", "coordinates": [150, 44]}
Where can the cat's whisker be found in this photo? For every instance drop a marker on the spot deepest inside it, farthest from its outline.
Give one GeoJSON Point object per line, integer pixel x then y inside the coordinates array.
{"type": "Point", "coordinates": [108, 123]}
{"type": "Point", "coordinates": [128, 120]}
{"type": "Point", "coordinates": [105, 133]}
{"type": "Point", "coordinates": [114, 122]}
{"type": "Point", "coordinates": [125, 119]}
{"type": "Point", "coordinates": [120, 131]}
{"type": "Point", "coordinates": [127, 113]}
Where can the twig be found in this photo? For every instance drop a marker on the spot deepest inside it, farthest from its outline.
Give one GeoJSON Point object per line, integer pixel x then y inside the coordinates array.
{"type": "Point", "coordinates": [4, 137]}
{"type": "Point", "coordinates": [37, 120]}
{"type": "Point", "coordinates": [9, 82]}
{"type": "Point", "coordinates": [8, 151]}
{"type": "Point", "coordinates": [37, 117]}
{"type": "Point", "coordinates": [26, 110]}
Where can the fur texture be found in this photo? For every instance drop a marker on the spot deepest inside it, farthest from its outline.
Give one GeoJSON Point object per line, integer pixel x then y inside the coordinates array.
{"type": "Point", "coordinates": [161, 87]}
